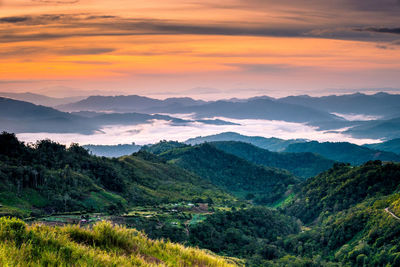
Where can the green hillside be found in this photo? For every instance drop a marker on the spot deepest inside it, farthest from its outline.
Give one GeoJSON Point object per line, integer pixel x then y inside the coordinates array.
{"type": "Point", "coordinates": [343, 152]}
{"type": "Point", "coordinates": [103, 245]}
{"type": "Point", "coordinates": [304, 164]}
{"type": "Point", "coordinates": [342, 187]}
{"type": "Point", "coordinates": [262, 184]}
{"type": "Point", "coordinates": [348, 210]}
{"type": "Point", "coordinates": [47, 177]}
{"type": "Point", "coordinates": [271, 144]}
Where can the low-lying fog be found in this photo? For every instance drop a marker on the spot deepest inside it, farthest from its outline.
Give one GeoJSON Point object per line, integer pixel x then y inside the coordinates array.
{"type": "Point", "coordinates": [163, 130]}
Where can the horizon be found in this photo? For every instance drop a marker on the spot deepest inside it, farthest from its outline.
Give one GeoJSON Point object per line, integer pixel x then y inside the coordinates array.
{"type": "Point", "coordinates": [204, 97]}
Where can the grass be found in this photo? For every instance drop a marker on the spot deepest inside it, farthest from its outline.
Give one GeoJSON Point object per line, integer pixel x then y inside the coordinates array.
{"type": "Point", "coordinates": [103, 245]}
{"type": "Point", "coordinates": [284, 201]}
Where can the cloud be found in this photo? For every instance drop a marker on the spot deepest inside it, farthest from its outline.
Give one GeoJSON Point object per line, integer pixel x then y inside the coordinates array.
{"type": "Point", "coordinates": [87, 25]}
{"type": "Point", "coordinates": [85, 51]}
{"type": "Point", "coordinates": [87, 62]}
{"type": "Point", "coordinates": [13, 19]}
{"type": "Point", "coordinates": [381, 30]}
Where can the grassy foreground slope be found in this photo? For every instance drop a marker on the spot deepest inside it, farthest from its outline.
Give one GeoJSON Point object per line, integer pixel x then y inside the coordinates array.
{"type": "Point", "coordinates": [104, 245]}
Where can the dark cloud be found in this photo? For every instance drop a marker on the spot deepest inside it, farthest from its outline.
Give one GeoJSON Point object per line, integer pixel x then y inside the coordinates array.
{"type": "Point", "coordinates": [381, 30]}
{"type": "Point", "coordinates": [13, 19]}
{"type": "Point", "coordinates": [31, 50]}
{"type": "Point", "coordinates": [85, 25]}
{"type": "Point", "coordinates": [84, 51]}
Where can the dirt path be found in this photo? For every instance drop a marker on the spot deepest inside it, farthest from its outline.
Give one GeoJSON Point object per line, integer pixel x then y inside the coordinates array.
{"type": "Point", "coordinates": [391, 213]}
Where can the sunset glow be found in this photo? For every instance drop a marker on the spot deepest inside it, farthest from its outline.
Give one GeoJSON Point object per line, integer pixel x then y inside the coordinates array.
{"type": "Point", "coordinates": [200, 48]}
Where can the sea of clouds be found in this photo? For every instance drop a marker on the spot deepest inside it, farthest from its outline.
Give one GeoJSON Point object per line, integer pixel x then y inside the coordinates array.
{"type": "Point", "coordinates": [157, 130]}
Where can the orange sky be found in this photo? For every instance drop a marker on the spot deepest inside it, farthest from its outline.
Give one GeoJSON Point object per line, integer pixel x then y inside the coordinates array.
{"type": "Point", "coordinates": [233, 48]}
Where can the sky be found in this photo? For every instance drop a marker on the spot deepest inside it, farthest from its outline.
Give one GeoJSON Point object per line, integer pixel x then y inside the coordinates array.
{"type": "Point", "coordinates": [204, 49]}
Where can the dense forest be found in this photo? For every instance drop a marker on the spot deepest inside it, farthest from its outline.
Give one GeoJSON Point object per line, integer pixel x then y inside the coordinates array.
{"type": "Point", "coordinates": [48, 177]}
{"type": "Point", "coordinates": [263, 185]}
{"type": "Point", "coordinates": [303, 164]}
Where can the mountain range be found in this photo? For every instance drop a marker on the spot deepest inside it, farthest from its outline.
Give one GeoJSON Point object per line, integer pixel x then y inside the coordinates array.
{"type": "Point", "coordinates": [361, 116]}
{"type": "Point", "coordinates": [43, 100]}
{"type": "Point", "coordinates": [24, 117]}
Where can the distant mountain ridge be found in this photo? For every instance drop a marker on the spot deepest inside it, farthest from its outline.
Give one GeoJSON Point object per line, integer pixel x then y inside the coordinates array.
{"type": "Point", "coordinates": [343, 152]}
{"type": "Point", "coordinates": [389, 146]}
{"type": "Point", "coordinates": [303, 164]}
{"type": "Point", "coordinates": [255, 108]}
{"type": "Point", "coordinates": [112, 151]}
{"type": "Point", "coordinates": [129, 103]}
{"type": "Point", "coordinates": [379, 104]}
{"type": "Point", "coordinates": [24, 117]}
{"type": "Point", "coordinates": [272, 143]}
{"type": "Point", "coordinates": [38, 99]}
{"type": "Point", "coordinates": [379, 129]}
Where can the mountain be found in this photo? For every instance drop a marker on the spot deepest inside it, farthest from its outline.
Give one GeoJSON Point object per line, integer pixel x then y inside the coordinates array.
{"type": "Point", "coordinates": [130, 103]}
{"type": "Point", "coordinates": [380, 104]}
{"type": "Point", "coordinates": [343, 152]}
{"type": "Point", "coordinates": [342, 187]}
{"type": "Point", "coordinates": [272, 144]}
{"type": "Point", "coordinates": [240, 177]}
{"type": "Point", "coordinates": [49, 178]}
{"type": "Point", "coordinates": [163, 146]}
{"type": "Point", "coordinates": [304, 165]}
{"type": "Point", "coordinates": [379, 129]}
{"type": "Point", "coordinates": [389, 146]}
{"type": "Point", "coordinates": [112, 151]}
{"type": "Point", "coordinates": [40, 99]}
{"type": "Point", "coordinates": [257, 108]}
{"type": "Point", "coordinates": [351, 216]}
{"type": "Point", "coordinates": [19, 116]}
{"type": "Point", "coordinates": [23, 117]}
{"type": "Point", "coordinates": [104, 244]}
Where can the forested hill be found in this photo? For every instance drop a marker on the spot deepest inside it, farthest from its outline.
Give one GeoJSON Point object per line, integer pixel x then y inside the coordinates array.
{"type": "Point", "coordinates": [48, 178]}
{"type": "Point", "coordinates": [344, 186]}
{"type": "Point", "coordinates": [271, 144]}
{"type": "Point", "coordinates": [263, 185]}
{"type": "Point", "coordinates": [304, 164]}
{"type": "Point", "coordinates": [343, 152]}
{"type": "Point", "coordinates": [351, 213]}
